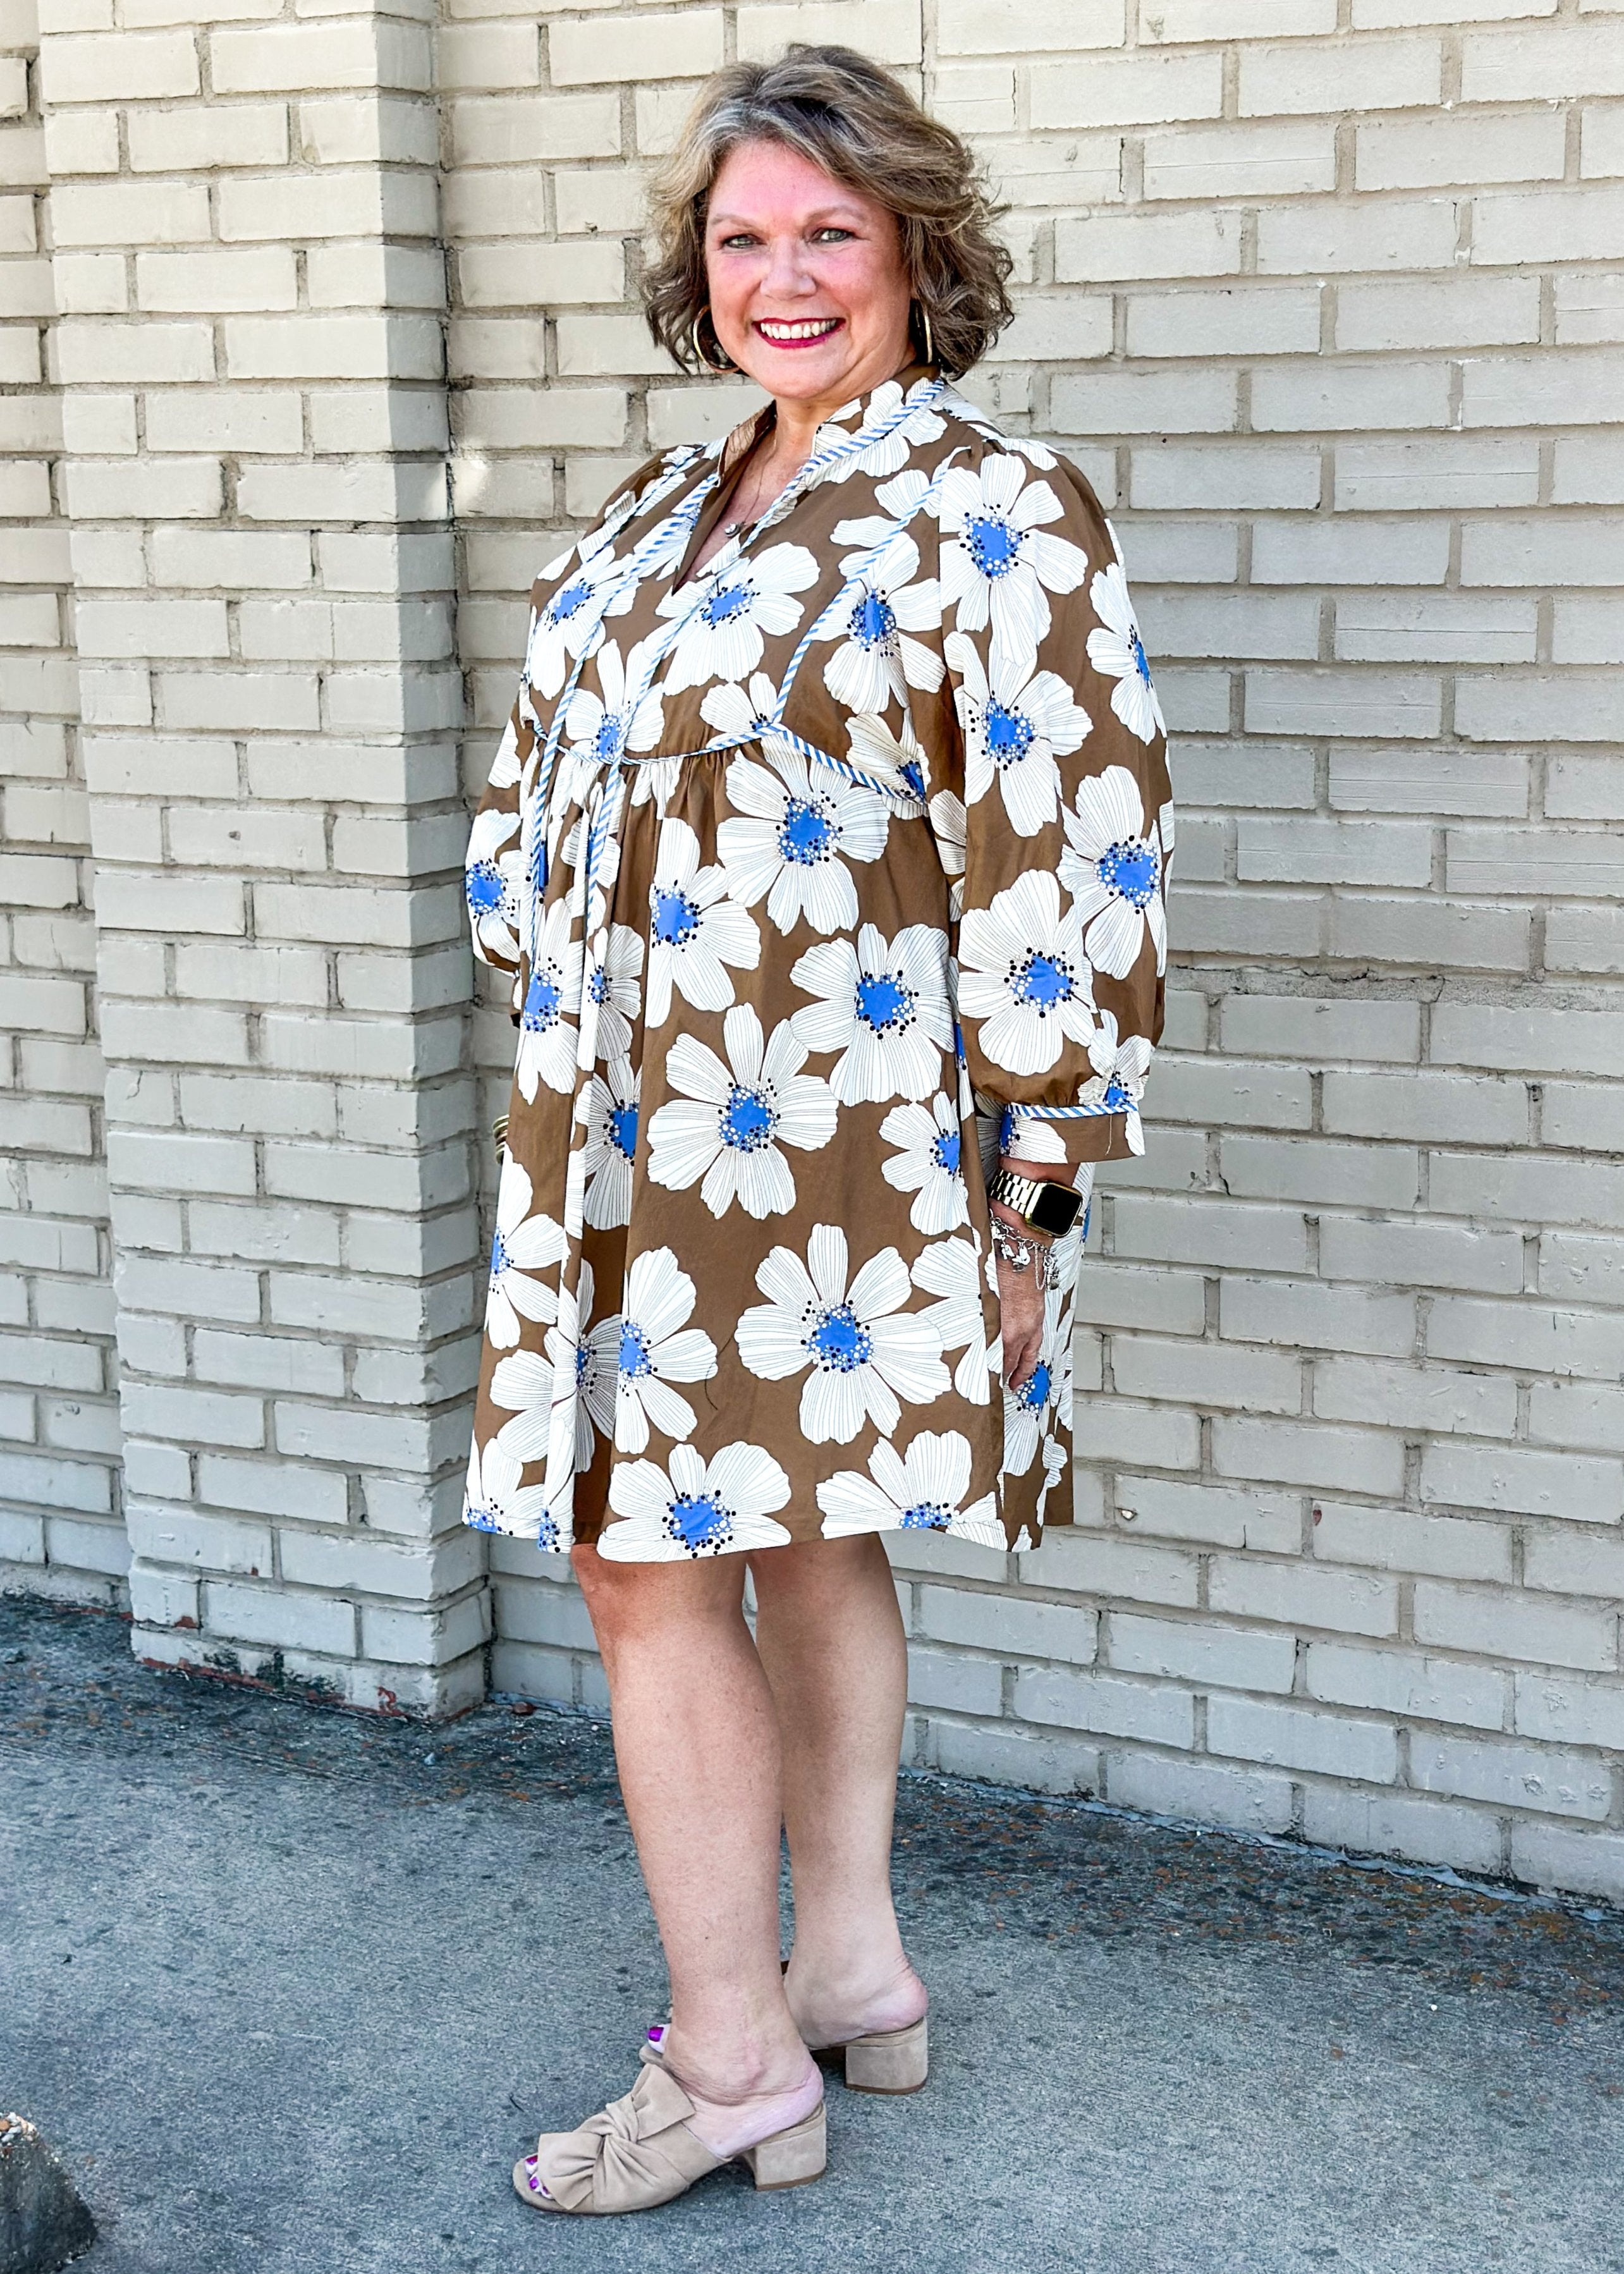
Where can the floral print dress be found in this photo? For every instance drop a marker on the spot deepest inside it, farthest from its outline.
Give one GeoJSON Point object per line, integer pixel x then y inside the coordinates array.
{"type": "Point", "coordinates": [820, 876]}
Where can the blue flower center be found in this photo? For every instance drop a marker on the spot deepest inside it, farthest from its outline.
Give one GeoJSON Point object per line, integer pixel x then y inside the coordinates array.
{"type": "Point", "coordinates": [583, 1363]}
{"type": "Point", "coordinates": [1042, 984]}
{"type": "Point", "coordinates": [883, 1003]}
{"type": "Point", "coordinates": [623, 1129]}
{"type": "Point", "coordinates": [840, 1343]}
{"type": "Point", "coordinates": [805, 835]}
{"type": "Point", "coordinates": [611, 737]}
{"type": "Point", "coordinates": [748, 1120]}
{"type": "Point", "coordinates": [485, 887]}
{"type": "Point", "coordinates": [634, 1351]}
{"type": "Point", "coordinates": [482, 1519]}
{"type": "Point", "coordinates": [1009, 735]}
{"type": "Point", "coordinates": [698, 1520]}
{"type": "Point", "coordinates": [946, 1150]}
{"type": "Point", "coordinates": [501, 1260]}
{"type": "Point", "coordinates": [1131, 869]}
{"type": "Point", "coordinates": [873, 621]}
{"type": "Point", "coordinates": [1116, 1096]}
{"type": "Point", "coordinates": [993, 546]}
{"type": "Point", "coordinates": [597, 985]}
{"type": "Point", "coordinates": [570, 602]}
{"type": "Point", "coordinates": [1140, 664]}
{"type": "Point", "coordinates": [676, 919]}
{"type": "Point", "coordinates": [926, 1516]}
{"type": "Point", "coordinates": [1034, 1392]}
{"type": "Point", "coordinates": [541, 1003]}
{"type": "Point", "coordinates": [722, 606]}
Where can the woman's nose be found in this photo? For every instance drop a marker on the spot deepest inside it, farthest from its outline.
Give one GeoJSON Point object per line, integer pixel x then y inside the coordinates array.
{"type": "Point", "coordinates": [787, 277]}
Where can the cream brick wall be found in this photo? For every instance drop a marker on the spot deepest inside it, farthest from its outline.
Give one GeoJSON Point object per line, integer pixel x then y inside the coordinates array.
{"type": "Point", "coordinates": [61, 1527]}
{"type": "Point", "coordinates": [1321, 295]}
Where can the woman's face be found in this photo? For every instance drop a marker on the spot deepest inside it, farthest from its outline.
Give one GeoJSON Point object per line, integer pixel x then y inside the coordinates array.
{"type": "Point", "coordinates": [808, 291]}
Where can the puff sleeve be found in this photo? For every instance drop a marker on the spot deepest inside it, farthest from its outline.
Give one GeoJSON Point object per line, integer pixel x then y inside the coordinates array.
{"type": "Point", "coordinates": [1069, 824]}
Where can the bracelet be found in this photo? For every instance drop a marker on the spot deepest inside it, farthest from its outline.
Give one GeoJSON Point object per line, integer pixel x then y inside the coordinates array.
{"type": "Point", "coordinates": [1024, 1254]}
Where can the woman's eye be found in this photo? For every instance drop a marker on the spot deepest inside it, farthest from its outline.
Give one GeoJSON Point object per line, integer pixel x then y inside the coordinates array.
{"type": "Point", "coordinates": [735, 244]}
{"type": "Point", "coordinates": [835, 236]}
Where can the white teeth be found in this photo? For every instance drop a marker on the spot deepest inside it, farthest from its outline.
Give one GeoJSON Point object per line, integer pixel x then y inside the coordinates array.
{"type": "Point", "coordinates": [811, 329]}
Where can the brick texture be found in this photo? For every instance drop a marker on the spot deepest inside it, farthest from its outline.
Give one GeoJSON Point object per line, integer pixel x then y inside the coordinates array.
{"type": "Point", "coordinates": [1327, 319]}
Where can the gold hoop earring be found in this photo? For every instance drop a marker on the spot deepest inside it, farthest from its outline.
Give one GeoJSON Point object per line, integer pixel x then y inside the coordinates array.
{"type": "Point", "coordinates": [924, 318]}
{"type": "Point", "coordinates": [700, 356]}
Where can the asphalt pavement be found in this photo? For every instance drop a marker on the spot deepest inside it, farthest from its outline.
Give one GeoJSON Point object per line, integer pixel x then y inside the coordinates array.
{"type": "Point", "coordinates": [289, 1989]}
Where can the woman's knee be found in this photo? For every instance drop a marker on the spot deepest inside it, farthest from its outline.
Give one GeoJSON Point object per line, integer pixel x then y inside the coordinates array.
{"type": "Point", "coordinates": [626, 1600]}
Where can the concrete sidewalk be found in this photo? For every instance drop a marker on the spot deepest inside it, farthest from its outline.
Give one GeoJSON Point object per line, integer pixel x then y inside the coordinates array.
{"type": "Point", "coordinates": [289, 1988]}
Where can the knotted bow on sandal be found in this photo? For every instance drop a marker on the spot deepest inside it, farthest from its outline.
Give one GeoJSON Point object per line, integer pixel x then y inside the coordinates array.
{"type": "Point", "coordinates": [641, 2151]}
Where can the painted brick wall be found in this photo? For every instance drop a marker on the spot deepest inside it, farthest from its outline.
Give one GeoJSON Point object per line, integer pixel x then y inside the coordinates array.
{"type": "Point", "coordinates": [1316, 292]}
{"type": "Point", "coordinates": [61, 1526]}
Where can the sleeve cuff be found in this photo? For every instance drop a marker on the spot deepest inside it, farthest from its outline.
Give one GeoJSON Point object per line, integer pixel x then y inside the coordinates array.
{"type": "Point", "coordinates": [1068, 1134]}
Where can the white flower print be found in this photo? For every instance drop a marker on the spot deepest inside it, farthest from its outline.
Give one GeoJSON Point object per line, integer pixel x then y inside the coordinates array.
{"type": "Point", "coordinates": [927, 1163]}
{"type": "Point", "coordinates": [695, 928]}
{"type": "Point", "coordinates": [959, 406]}
{"type": "Point", "coordinates": [885, 454]}
{"type": "Point", "coordinates": [494, 1499]}
{"type": "Point", "coordinates": [1015, 729]}
{"type": "Point", "coordinates": [521, 1385]}
{"type": "Point", "coordinates": [547, 1038]}
{"type": "Point", "coordinates": [1024, 975]}
{"type": "Point", "coordinates": [950, 826]}
{"type": "Point", "coordinates": [878, 660]}
{"type": "Point", "coordinates": [609, 1108]}
{"type": "Point", "coordinates": [1116, 651]}
{"type": "Point", "coordinates": [1026, 1414]}
{"type": "Point", "coordinates": [1000, 564]}
{"type": "Point", "coordinates": [585, 1370]}
{"type": "Point", "coordinates": [564, 629]}
{"type": "Point", "coordinates": [601, 723]}
{"type": "Point", "coordinates": [657, 1348]}
{"type": "Point", "coordinates": [521, 1246]}
{"type": "Point", "coordinates": [1120, 1067]}
{"type": "Point", "coordinates": [797, 821]}
{"type": "Point", "coordinates": [729, 1122]}
{"type": "Point", "coordinates": [725, 611]}
{"type": "Point", "coordinates": [1032, 1138]}
{"type": "Point", "coordinates": [885, 1009]}
{"type": "Point", "coordinates": [613, 987]}
{"type": "Point", "coordinates": [894, 759]}
{"type": "Point", "coordinates": [865, 1353]}
{"type": "Point", "coordinates": [898, 502]}
{"type": "Point", "coordinates": [492, 883]}
{"type": "Point", "coordinates": [1112, 867]}
{"type": "Point", "coordinates": [950, 1271]}
{"type": "Point", "coordinates": [921, 1491]}
{"type": "Point", "coordinates": [695, 1506]}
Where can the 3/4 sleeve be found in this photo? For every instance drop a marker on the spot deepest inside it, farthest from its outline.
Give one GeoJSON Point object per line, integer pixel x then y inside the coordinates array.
{"type": "Point", "coordinates": [1069, 823]}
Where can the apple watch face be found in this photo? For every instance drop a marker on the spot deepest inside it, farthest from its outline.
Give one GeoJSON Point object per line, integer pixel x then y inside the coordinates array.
{"type": "Point", "coordinates": [1055, 1210]}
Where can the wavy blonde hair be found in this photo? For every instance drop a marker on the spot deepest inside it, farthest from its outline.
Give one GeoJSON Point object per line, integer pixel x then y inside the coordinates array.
{"type": "Point", "coordinates": [860, 124]}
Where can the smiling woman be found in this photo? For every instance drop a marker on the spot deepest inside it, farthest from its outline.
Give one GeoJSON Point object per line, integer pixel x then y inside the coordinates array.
{"type": "Point", "coordinates": [826, 852]}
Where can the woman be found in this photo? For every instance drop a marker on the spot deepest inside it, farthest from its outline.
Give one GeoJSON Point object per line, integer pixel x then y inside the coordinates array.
{"type": "Point", "coordinates": [833, 808]}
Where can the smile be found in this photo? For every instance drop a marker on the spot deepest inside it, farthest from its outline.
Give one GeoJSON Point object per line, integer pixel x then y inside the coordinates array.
{"type": "Point", "coordinates": [805, 334]}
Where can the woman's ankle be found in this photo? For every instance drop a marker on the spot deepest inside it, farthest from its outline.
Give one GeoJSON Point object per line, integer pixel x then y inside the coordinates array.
{"type": "Point", "coordinates": [834, 1995]}
{"type": "Point", "coordinates": [735, 2074]}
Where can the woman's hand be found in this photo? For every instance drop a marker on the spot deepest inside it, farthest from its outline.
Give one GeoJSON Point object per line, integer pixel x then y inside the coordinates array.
{"type": "Point", "coordinates": [1020, 1307]}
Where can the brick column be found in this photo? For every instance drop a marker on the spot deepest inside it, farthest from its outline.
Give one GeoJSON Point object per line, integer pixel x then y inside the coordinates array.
{"type": "Point", "coordinates": [61, 1531]}
{"type": "Point", "coordinates": [249, 347]}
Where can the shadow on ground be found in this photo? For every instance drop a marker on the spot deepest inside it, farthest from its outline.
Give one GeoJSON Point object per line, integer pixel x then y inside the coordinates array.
{"type": "Point", "coordinates": [290, 1988]}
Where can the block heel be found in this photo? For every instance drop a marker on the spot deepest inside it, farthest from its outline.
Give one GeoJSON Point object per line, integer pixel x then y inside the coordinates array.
{"type": "Point", "coordinates": [890, 2060]}
{"type": "Point", "coordinates": [792, 2157]}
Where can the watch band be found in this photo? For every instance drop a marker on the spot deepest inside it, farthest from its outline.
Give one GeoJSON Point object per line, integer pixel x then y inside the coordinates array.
{"type": "Point", "coordinates": [1043, 1204]}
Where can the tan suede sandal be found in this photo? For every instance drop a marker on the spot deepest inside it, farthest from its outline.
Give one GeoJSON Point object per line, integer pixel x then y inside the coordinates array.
{"type": "Point", "coordinates": [641, 2151]}
{"type": "Point", "coordinates": [886, 2060]}
{"type": "Point", "coordinates": [883, 2060]}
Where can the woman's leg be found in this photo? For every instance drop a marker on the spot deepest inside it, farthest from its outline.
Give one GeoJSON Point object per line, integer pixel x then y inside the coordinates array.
{"type": "Point", "coordinates": [697, 1743]}
{"type": "Point", "coordinates": [830, 1635]}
